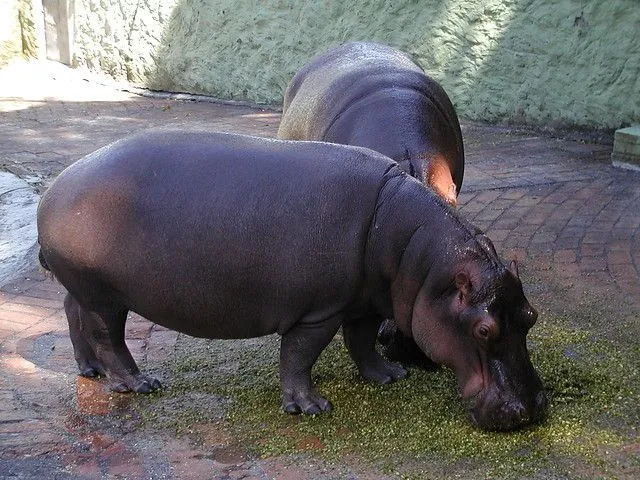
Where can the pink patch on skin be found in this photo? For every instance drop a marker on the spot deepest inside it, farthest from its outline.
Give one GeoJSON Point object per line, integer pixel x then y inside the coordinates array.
{"type": "Point", "coordinates": [437, 174]}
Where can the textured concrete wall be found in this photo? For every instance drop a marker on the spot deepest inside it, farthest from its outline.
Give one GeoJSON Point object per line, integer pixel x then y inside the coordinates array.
{"type": "Point", "coordinates": [10, 32]}
{"type": "Point", "coordinates": [541, 62]}
{"type": "Point", "coordinates": [121, 37]}
{"type": "Point", "coordinates": [21, 30]}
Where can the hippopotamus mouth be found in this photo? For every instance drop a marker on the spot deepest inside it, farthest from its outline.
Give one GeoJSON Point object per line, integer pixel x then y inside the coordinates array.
{"type": "Point", "coordinates": [504, 404]}
{"type": "Point", "coordinates": [505, 414]}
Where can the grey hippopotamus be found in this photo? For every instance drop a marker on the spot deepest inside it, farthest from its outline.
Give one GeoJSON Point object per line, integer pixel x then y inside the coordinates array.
{"type": "Point", "coordinates": [375, 96]}
{"type": "Point", "coordinates": [229, 236]}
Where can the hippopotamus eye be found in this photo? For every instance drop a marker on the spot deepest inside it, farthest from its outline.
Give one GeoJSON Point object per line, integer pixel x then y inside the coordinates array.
{"type": "Point", "coordinates": [485, 330]}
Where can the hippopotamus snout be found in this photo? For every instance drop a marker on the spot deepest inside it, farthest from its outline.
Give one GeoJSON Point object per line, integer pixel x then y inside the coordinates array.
{"type": "Point", "coordinates": [496, 411]}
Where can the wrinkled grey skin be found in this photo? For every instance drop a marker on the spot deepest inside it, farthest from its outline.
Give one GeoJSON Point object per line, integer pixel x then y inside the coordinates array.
{"type": "Point", "coordinates": [228, 236]}
{"type": "Point", "coordinates": [375, 96]}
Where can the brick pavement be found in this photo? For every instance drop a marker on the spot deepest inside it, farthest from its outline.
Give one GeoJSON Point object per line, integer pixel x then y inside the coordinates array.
{"type": "Point", "coordinates": [556, 205]}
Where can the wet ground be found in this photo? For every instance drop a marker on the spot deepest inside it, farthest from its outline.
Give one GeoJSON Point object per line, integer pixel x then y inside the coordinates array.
{"type": "Point", "coordinates": [571, 220]}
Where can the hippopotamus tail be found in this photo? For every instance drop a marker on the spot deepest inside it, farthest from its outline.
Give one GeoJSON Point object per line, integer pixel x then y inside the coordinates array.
{"type": "Point", "coordinates": [43, 262]}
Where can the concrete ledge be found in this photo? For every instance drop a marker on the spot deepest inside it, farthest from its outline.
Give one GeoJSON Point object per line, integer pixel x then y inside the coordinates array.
{"type": "Point", "coordinates": [626, 148]}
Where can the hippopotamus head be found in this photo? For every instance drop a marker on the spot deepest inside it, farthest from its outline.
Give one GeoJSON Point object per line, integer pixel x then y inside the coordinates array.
{"type": "Point", "coordinates": [475, 320]}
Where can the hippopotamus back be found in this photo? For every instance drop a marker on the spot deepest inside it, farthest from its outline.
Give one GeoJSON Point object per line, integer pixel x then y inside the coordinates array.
{"type": "Point", "coordinates": [375, 96]}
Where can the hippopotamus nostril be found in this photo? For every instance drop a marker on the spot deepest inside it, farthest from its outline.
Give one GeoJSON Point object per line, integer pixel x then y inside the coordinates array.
{"type": "Point", "coordinates": [515, 413]}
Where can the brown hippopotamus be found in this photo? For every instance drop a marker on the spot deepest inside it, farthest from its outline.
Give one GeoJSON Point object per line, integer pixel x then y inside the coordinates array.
{"type": "Point", "coordinates": [375, 96]}
{"type": "Point", "coordinates": [230, 236]}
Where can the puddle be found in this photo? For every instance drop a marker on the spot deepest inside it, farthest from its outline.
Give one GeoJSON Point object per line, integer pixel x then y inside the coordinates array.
{"type": "Point", "coordinates": [230, 454]}
{"type": "Point", "coordinates": [94, 398]}
{"type": "Point", "coordinates": [221, 444]}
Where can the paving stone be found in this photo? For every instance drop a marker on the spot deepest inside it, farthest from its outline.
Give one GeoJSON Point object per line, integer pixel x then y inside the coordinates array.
{"type": "Point", "coordinates": [21, 318]}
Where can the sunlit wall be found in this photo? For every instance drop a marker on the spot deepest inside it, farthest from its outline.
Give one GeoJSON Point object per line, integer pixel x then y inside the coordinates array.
{"type": "Point", "coordinates": [543, 62]}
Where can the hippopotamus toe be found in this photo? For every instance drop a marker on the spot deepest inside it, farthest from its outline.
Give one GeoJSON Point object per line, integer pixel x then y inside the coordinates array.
{"type": "Point", "coordinates": [139, 384]}
{"type": "Point", "coordinates": [309, 403]}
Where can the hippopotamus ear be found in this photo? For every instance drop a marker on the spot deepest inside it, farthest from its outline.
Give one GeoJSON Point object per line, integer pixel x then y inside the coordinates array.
{"type": "Point", "coordinates": [513, 268]}
{"type": "Point", "coordinates": [463, 284]}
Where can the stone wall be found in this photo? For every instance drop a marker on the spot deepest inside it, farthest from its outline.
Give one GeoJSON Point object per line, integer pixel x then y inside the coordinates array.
{"type": "Point", "coordinates": [122, 38]}
{"type": "Point", "coordinates": [17, 30]}
{"type": "Point", "coordinates": [541, 62]}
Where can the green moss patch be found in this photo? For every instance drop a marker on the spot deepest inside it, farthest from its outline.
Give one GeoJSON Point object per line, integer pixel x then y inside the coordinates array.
{"type": "Point", "coordinates": [593, 387]}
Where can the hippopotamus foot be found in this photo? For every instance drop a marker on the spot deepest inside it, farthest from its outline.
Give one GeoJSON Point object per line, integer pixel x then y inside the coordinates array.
{"type": "Point", "coordinates": [307, 402]}
{"type": "Point", "coordinates": [360, 338]}
{"type": "Point", "coordinates": [140, 383]}
{"type": "Point", "coordinates": [103, 331]}
{"type": "Point", "coordinates": [379, 370]}
{"type": "Point", "coordinates": [299, 349]}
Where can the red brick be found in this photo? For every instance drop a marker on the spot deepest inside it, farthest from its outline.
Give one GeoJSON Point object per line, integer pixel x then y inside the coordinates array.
{"type": "Point", "coordinates": [5, 297]}
{"type": "Point", "coordinates": [592, 249]}
{"type": "Point", "coordinates": [564, 256]}
{"type": "Point", "coordinates": [630, 287]}
{"type": "Point", "coordinates": [596, 237]}
{"type": "Point", "coordinates": [592, 264]}
{"type": "Point", "coordinates": [20, 318]}
{"type": "Point", "coordinates": [543, 237]}
{"type": "Point", "coordinates": [487, 214]}
{"type": "Point", "coordinates": [84, 466]}
{"type": "Point", "coordinates": [498, 235]}
{"type": "Point", "coordinates": [619, 257]}
{"type": "Point", "coordinates": [38, 302]}
{"type": "Point", "coordinates": [513, 194]}
{"type": "Point", "coordinates": [29, 309]}
{"type": "Point", "coordinates": [46, 294]}
{"type": "Point", "coordinates": [528, 201]}
{"type": "Point", "coordinates": [618, 245]}
{"type": "Point", "coordinates": [569, 270]}
{"type": "Point", "coordinates": [138, 330]}
{"type": "Point", "coordinates": [487, 196]}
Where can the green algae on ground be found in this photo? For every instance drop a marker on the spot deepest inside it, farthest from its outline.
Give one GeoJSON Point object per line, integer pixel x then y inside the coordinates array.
{"type": "Point", "coordinates": [593, 387]}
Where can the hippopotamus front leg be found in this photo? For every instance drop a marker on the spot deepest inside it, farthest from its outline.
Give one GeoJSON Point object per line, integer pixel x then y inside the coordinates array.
{"type": "Point", "coordinates": [360, 335]}
{"type": "Point", "coordinates": [102, 332]}
{"type": "Point", "coordinates": [300, 347]}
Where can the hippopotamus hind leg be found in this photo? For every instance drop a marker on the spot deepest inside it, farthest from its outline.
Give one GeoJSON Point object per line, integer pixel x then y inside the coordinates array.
{"type": "Point", "coordinates": [84, 354]}
{"type": "Point", "coordinates": [360, 338]}
{"type": "Point", "coordinates": [100, 349]}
